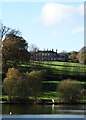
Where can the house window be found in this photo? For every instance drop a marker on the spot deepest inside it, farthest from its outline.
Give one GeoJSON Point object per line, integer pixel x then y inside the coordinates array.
{"type": "Point", "coordinates": [54, 58]}
{"type": "Point", "coordinates": [49, 59]}
{"type": "Point", "coordinates": [51, 54]}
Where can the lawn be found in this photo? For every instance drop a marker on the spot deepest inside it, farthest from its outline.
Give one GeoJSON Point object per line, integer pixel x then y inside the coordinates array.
{"type": "Point", "coordinates": [61, 67]}
{"type": "Point", "coordinates": [50, 95]}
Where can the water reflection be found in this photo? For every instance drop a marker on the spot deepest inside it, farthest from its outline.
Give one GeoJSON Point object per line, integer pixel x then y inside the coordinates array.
{"type": "Point", "coordinates": [42, 109]}
{"type": "Point", "coordinates": [53, 106]}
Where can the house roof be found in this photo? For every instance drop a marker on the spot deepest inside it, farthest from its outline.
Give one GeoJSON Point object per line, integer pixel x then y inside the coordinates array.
{"type": "Point", "coordinates": [45, 51]}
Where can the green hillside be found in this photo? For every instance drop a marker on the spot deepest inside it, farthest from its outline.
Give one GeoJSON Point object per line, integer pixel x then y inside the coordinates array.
{"type": "Point", "coordinates": [61, 67]}
{"type": "Point", "coordinates": [54, 72]}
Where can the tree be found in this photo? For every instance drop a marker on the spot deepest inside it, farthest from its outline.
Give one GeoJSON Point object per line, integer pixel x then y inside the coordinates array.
{"type": "Point", "coordinates": [35, 79]}
{"type": "Point", "coordinates": [15, 49]}
{"type": "Point", "coordinates": [6, 31]}
{"type": "Point", "coordinates": [70, 90]}
{"type": "Point", "coordinates": [10, 82]}
{"type": "Point", "coordinates": [33, 49]}
{"type": "Point", "coordinates": [82, 57]}
{"type": "Point", "coordinates": [22, 85]}
{"type": "Point", "coordinates": [73, 56]}
{"type": "Point", "coordinates": [3, 31]}
{"type": "Point", "coordinates": [29, 85]}
{"type": "Point", "coordinates": [16, 84]}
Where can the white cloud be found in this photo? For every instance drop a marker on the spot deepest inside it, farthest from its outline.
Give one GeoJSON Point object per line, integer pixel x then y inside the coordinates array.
{"type": "Point", "coordinates": [78, 30]}
{"type": "Point", "coordinates": [53, 13]}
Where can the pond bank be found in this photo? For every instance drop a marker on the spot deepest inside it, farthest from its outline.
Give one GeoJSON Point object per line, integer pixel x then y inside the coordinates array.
{"type": "Point", "coordinates": [42, 102]}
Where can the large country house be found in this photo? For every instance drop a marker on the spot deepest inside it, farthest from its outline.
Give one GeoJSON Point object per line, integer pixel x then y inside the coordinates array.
{"type": "Point", "coordinates": [48, 55]}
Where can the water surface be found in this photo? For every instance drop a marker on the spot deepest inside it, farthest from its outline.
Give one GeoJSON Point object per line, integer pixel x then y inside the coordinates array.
{"type": "Point", "coordinates": [43, 112]}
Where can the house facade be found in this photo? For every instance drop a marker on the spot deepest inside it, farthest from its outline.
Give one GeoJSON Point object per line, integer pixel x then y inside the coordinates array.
{"type": "Point", "coordinates": [47, 55]}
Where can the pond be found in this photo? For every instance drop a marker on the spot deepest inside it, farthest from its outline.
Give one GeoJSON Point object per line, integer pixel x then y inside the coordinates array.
{"type": "Point", "coordinates": [43, 111]}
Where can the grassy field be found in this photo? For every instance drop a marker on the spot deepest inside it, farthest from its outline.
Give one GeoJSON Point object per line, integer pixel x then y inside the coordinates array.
{"type": "Point", "coordinates": [57, 63]}
{"type": "Point", "coordinates": [60, 67]}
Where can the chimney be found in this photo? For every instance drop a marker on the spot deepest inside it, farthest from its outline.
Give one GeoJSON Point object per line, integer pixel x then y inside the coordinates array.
{"type": "Point", "coordinates": [52, 49]}
{"type": "Point", "coordinates": [56, 50]}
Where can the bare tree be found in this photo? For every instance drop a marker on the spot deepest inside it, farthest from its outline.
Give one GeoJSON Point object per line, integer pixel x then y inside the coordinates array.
{"type": "Point", "coordinates": [5, 31]}
{"type": "Point", "coordinates": [33, 48]}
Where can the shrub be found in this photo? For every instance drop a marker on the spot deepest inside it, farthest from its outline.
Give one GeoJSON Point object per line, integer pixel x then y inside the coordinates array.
{"type": "Point", "coordinates": [70, 90]}
{"type": "Point", "coordinates": [22, 85]}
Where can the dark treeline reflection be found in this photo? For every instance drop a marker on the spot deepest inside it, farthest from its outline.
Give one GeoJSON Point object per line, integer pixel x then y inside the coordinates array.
{"type": "Point", "coordinates": [42, 109]}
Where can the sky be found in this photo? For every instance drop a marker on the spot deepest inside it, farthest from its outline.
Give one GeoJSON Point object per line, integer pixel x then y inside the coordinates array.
{"type": "Point", "coordinates": [48, 25]}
